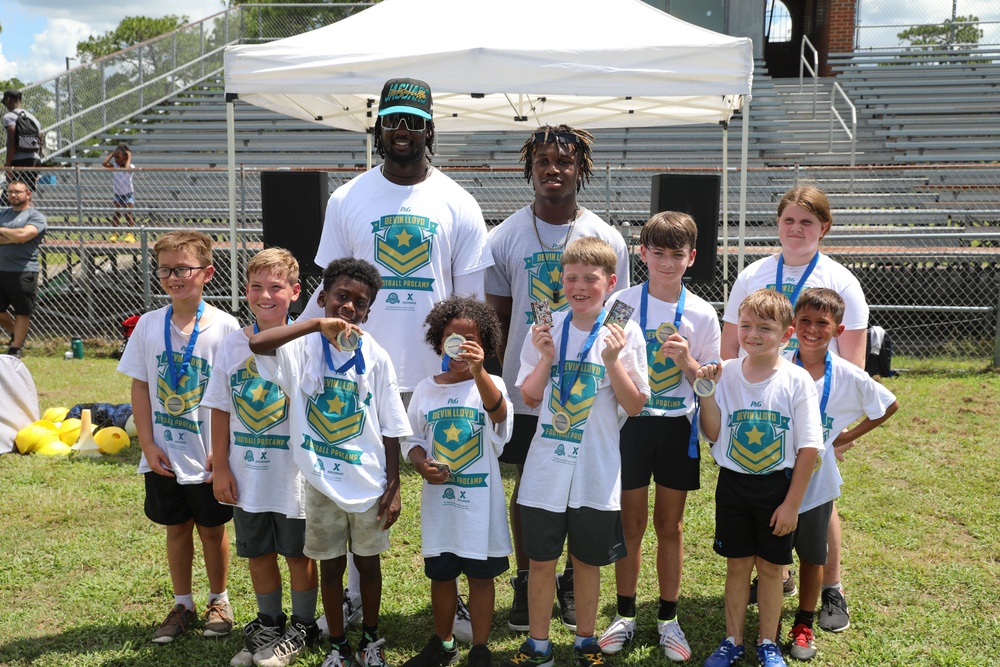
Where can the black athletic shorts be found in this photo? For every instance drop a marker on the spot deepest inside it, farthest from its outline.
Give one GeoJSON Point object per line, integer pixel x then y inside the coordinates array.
{"type": "Point", "coordinates": [744, 504]}
{"type": "Point", "coordinates": [524, 429]}
{"type": "Point", "coordinates": [596, 537]}
{"type": "Point", "coordinates": [17, 291]}
{"type": "Point", "coordinates": [657, 447]}
{"type": "Point", "coordinates": [169, 503]}
{"type": "Point", "coordinates": [448, 566]}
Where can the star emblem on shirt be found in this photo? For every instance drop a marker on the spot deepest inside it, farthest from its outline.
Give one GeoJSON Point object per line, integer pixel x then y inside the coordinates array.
{"type": "Point", "coordinates": [452, 433]}
{"type": "Point", "coordinates": [404, 238]}
{"type": "Point", "coordinates": [335, 405]}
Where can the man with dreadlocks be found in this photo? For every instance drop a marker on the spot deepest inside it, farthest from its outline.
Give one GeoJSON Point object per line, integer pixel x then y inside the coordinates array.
{"type": "Point", "coordinates": [526, 250]}
{"type": "Point", "coordinates": [423, 231]}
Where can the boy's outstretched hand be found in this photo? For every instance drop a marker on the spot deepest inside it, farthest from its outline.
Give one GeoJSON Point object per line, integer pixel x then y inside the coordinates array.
{"type": "Point", "coordinates": [331, 327]}
{"type": "Point", "coordinates": [614, 343]}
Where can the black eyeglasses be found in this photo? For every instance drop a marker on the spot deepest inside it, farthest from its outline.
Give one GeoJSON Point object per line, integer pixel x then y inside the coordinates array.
{"type": "Point", "coordinates": [414, 123]}
{"type": "Point", "coordinates": [179, 271]}
{"type": "Point", "coordinates": [543, 137]}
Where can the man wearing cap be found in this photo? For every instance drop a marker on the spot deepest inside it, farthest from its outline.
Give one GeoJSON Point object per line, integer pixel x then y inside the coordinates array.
{"type": "Point", "coordinates": [16, 155]}
{"type": "Point", "coordinates": [424, 233]}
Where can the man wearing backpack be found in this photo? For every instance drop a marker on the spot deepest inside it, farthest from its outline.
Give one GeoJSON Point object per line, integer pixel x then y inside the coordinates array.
{"type": "Point", "coordinates": [24, 140]}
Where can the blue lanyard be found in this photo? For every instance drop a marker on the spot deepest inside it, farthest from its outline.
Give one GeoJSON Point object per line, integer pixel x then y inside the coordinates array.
{"type": "Point", "coordinates": [802, 281]}
{"type": "Point", "coordinates": [827, 380]}
{"type": "Point", "coordinates": [564, 387]}
{"type": "Point", "coordinates": [644, 304]}
{"type": "Point", "coordinates": [357, 359]}
{"type": "Point", "coordinates": [177, 375]}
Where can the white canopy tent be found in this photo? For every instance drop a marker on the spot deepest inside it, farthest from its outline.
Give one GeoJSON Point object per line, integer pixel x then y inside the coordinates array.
{"type": "Point", "coordinates": [507, 65]}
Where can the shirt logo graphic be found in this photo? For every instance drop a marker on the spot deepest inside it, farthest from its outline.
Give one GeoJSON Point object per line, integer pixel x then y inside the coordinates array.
{"type": "Point", "coordinates": [757, 440]}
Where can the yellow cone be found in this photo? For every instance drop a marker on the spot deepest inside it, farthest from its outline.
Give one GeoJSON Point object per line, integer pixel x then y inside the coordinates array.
{"type": "Point", "coordinates": [52, 447]}
{"type": "Point", "coordinates": [55, 414]}
{"type": "Point", "coordinates": [29, 436]}
{"type": "Point", "coordinates": [112, 439]}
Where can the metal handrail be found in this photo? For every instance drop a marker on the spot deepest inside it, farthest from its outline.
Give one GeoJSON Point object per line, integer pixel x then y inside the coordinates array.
{"type": "Point", "coordinates": [813, 69]}
{"type": "Point", "coordinates": [851, 133]}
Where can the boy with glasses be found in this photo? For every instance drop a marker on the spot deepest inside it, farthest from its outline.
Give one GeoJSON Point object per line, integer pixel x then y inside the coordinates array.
{"type": "Point", "coordinates": [169, 358]}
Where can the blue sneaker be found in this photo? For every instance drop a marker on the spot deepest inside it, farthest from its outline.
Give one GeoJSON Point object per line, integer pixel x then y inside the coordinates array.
{"type": "Point", "coordinates": [769, 654]}
{"type": "Point", "coordinates": [727, 653]}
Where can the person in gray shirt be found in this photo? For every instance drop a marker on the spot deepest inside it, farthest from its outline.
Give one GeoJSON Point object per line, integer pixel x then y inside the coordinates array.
{"type": "Point", "coordinates": [526, 249]}
{"type": "Point", "coordinates": [22, 229]}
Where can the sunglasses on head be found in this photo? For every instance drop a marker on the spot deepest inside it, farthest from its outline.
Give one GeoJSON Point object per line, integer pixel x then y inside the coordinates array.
{"type": "Point", "coordinates": [543, 137]}
{"type": "Point", "coordinates": [392, 121]}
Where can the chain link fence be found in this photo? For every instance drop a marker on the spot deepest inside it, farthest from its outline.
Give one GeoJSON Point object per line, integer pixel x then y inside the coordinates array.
{"type": "Point", "coordinates": [923, 241]}
{"type": "Point", "coordinates": [942, 23]}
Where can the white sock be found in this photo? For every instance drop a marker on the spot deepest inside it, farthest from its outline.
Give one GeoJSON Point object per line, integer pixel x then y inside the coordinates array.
{"type": "Point", "coordinates": [186, 600]}
{"type": "Point", "coordinates": [218, 597]}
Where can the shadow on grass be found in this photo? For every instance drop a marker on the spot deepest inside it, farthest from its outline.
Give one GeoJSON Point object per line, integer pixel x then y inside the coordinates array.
{"type": "Point", "coordinates": [118, 645]}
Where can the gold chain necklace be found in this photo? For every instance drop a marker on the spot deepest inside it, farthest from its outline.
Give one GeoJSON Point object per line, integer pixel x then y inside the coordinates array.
{"type": "Point", "coordinates": [569, 233]}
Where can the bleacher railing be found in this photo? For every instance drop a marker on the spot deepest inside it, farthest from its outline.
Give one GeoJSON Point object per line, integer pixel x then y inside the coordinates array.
{"type": "Point", "coordinates": [924, 242]}
{"type": "Point", "coordinates": [81, 103]}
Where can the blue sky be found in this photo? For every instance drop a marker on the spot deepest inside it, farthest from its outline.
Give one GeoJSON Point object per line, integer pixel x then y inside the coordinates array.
{"type": "Point", "coordinates": [38, 35]}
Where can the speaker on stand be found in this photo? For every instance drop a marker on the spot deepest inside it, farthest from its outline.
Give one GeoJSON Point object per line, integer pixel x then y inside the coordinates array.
{"type": "Point", "coordinates": [697, 195]}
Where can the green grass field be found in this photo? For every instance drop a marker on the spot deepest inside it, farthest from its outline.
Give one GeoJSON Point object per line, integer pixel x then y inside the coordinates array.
{"type": "Point", "coordinates": [83, 577]}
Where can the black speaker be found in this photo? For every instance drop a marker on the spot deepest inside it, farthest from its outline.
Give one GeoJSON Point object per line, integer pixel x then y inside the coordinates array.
{"type": "Point", "coordinates": [293, 207]}
{"type": "Point", "coordinates": [698, 196]}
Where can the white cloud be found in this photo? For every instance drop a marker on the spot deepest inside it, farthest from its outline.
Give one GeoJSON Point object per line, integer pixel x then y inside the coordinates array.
{"type": "Point", "coordinates": [8, 69]}
{"type": "Point", "coordinates": [51, 46]}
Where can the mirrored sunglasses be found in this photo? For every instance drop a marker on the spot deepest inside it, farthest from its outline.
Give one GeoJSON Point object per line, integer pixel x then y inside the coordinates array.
{"type": "Point", "coordinates": [392, 121]}
{"type": "Point", "coordinates": [560, 137]}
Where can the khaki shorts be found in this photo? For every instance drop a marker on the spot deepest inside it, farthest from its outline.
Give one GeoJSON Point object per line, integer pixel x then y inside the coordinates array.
{"type": "Point", "coordinates": [331, 531]}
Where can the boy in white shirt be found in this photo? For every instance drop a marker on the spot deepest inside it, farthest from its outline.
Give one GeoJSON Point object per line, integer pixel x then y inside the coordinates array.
{"type": "Point", "coordinates": [847, 393]}
{"type": "Point", "coordinates": [764, 425]}
{"type": "Point", "coordinates": [255, 471]}
{"type": "Point", "coordinates": [682, 333]}
{"type": "Point", "coordinates": [579, 370]}
{"type": "Point", "coordinates": [169, 358]}
{"type": "Point", "coordinates": [346, 421]}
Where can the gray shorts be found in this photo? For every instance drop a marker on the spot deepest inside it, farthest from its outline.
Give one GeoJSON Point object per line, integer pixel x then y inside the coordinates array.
{"type": "Point", "coordinates": [811, 534]}
{"type": "Point", "coordinates": [263, 533]}
{"type": "Point", "coordinates": [595, 537]}
{"type": "Point", "coordinates": [331, 531]}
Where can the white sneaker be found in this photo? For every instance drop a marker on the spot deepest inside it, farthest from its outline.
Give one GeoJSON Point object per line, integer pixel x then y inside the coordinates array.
{"type": "Point", "coordinates": [334, 659]}
{"type": "Point", "coordinates": [672, 640]}
{"type": "Point", "coordinates": [372, 655]}
{"type": "Point", "coordinates": [617, 636]}
{"type": "Point", "coordinates": [462, 630]}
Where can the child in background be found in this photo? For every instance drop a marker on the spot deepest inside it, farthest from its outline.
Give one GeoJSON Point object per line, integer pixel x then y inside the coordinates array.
{"type": "Point", "coordinates": [579, 370]}
{"type": "Point", "coordinates": [764, 425]}
{"type": "Point", "coordinates": [846, 394]}
{"type": "Point", "coordinates": [461, 419]}
{"type": "Point", "coordinates": [169, 358]}
{"type": "Point", "coordinates": [346, 421]}
{"type": "Point", "coordinates": [682, 333]}
{"type": "Point", "coordinates": [255, 471]}
{"type": "Point", "coordinates": [124, 192]}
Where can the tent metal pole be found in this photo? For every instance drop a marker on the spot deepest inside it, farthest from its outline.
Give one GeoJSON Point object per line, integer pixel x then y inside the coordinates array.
{"type": "Point", "coordinates": [744, 150]}
{"type": "Point", "coordinates": [234, 283]}
{"type": "Point", "coordinates": [725, 214]}
{"type": "Point", "coordinates": [369, 141]}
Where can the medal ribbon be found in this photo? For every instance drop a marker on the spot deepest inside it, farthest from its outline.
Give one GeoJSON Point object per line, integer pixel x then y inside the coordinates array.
{"type": "Point", "coordinates": [565, 387]}
{"type": "Point", "coordinates": [827, 381]}
{"type": "Point", "coordinates": [644, 306]}
{"type": "Point", "coordinates": [802, 281]}
{"type": "Point", "coordinates": [177, 375]}
{"type": "Point", "coordinates": [356, 360]}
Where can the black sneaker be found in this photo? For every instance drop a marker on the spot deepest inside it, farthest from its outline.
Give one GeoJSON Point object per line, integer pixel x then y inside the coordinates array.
{"type": "Point", "coordinates": [529, 657]}
{"type": "Point", "coordinates": [301, 635]}
{"type": "Point", "coordinates": [517, 619]}
{"type": "Point", "coordinates": [434, 654]}
{"type": "Point", "coordinates": [788, 587]}
{"type": "Point", "coordinates": [480, 656]}
{"type": "Point", "coordinates": [567, 600]}
{"type": "Point", "coordinates": [258, 634]}
{"type": "Point", "coordinates": [14, 352]}
{"type": "Point", "coordinates": [833, 616]}
{"type": "Point", "coordinates": [589, 655]}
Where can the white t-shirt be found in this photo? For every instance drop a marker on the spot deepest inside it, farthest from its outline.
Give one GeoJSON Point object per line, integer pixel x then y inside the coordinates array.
{"type": "Point", "coordinates": [672, 395]}
{"type": "Point", "coordinates": [466, 515]}
{"type": "Point", "coordinates": [419, 237]}
{"type": "Point", "coordinates": [853, 394]}
{"type": "Point", "coordinates": [338, 419]}
{"type": "Point", "coordinates": [122, 181]}
{"type": "Point", "coordinates": [260, 456]}
{"type": "Point", "coordinates": [828, 273]}
{"type": "Point", "coordinates": [581, 467]}
{"type": "Point", "coordinates": [18, 400]}
{"type": "Point", "coordinates": [185, 435]}
{"type": "Point", "coordinates": [766, 423]}
{"type": "Point", "coordinates": [525, 271]}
